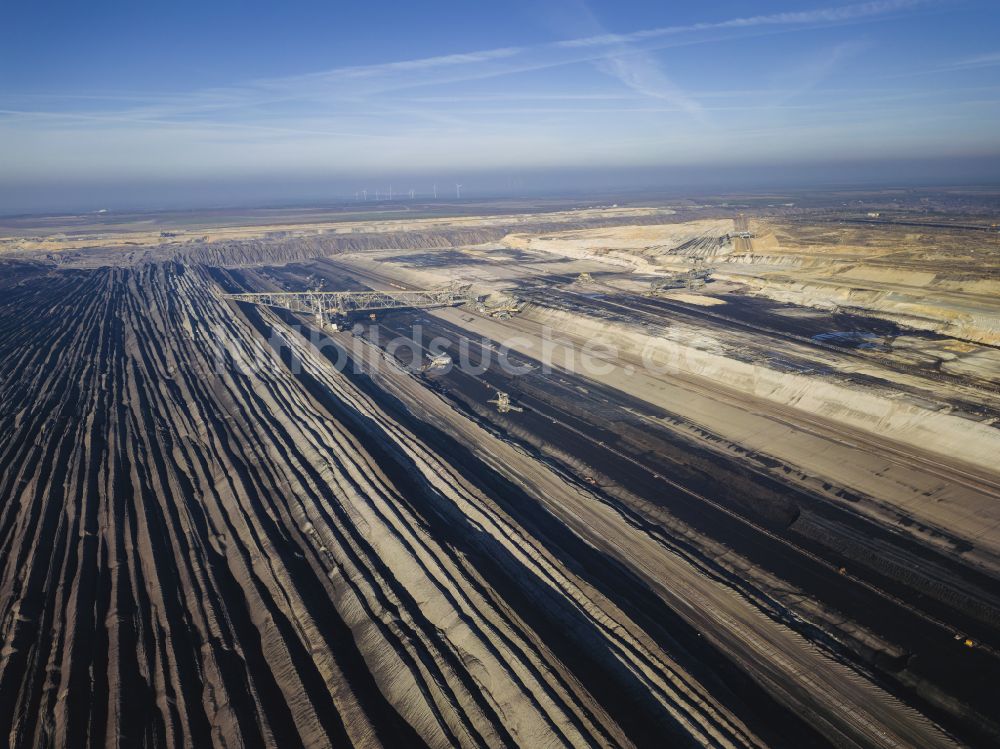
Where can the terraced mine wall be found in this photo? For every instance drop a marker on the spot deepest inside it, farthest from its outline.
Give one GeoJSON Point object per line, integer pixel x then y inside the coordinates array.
{"type": "Point", "coordinates": [909, 423]}
{"type": "Point", "coordinates": [281, 247]}
{"type": "Point", "coordinates": [921, 308]}
{"type": "Point", "coordinates": [277, 250]}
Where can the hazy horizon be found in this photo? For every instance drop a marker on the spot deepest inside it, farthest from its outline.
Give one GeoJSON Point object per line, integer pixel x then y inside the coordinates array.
{"type": "Point", "coordinates": [275, 191]}
{"type": "Point", "coordinates": [181, 106]}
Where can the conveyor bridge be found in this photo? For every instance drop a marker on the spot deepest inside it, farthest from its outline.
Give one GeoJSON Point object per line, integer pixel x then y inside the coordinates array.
{"type": "Point", "coordinates": [324, 304]}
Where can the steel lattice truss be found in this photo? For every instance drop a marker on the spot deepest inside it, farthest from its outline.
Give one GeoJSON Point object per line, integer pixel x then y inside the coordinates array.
{"type": "Point", "coordinates": [344, 302]}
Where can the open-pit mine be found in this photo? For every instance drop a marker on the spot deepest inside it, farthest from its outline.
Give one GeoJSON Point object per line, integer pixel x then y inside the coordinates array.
{"type": "Point", "coordinates": [695, 473]}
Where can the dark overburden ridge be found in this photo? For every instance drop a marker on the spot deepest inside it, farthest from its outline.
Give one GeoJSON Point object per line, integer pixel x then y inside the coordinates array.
{"type": "Point", "coordinates": [211, 534]}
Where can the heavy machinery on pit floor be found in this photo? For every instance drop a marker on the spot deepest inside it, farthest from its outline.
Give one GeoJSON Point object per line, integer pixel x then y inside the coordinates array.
{"type": "Point", "coordinates": [503, 404]}
{"type": "Point", "coordinates": [334, 308]}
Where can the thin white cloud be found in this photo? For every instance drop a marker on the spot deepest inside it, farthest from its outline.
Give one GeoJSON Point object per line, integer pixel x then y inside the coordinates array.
{"type": "Point", "coordinates": [404, 66]}
{"type": "Point", "coordinates": [978, 61]}
{"type": "Point", "coordinates": [833, 15]}
{"type": "Point", "coordinates": [643, 75]}
{"type": "Point", "coordinates": [984, 60]}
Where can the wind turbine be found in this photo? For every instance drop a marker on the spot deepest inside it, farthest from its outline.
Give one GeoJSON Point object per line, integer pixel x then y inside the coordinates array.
{"type": "Point", "coordinates": [390, 192]}
{"type": "Point", "coordinates": [435, 191]}
{"type": "Point", "coordinates": [458, 191]}
{"type": "Point", "coordinates": [365, 194]}
{"type": "Point", "coordinates": [411, 193]}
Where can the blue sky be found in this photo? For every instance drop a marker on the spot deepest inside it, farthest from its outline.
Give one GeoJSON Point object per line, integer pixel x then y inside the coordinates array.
{"type": "Point", "coordinates": [112, 93]}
